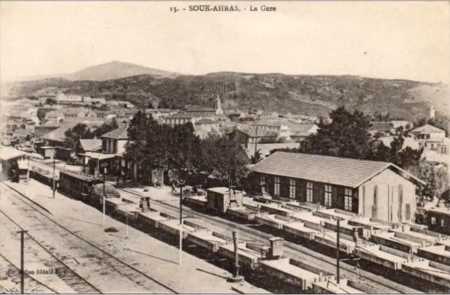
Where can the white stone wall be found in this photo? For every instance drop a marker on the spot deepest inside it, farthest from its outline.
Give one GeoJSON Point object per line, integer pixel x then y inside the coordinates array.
{"type": "Point", "coordinates": [388, 198]}
{"type": "Point", "coordinates": [121, 146]}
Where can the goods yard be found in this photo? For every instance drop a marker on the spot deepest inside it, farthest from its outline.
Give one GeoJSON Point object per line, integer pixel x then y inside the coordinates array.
{"type": "Point", "coordinates": [310, 232]}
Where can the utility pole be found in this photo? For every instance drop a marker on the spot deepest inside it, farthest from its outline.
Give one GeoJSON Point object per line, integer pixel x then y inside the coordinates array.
{"type": "Point", "coordinates": [22, 268]}
{"type": "Point", "coordinates": [104, 196]}
{"type": "Point", "coordinates": [54, 176]}
{"type": "Point", "coordinates": [256, 140]}
{"type": "Point", "coordinates": [337, 250]}
{"type": "Point", "coordinates": [236, 277]}
{"type": "Point", "coordinates": [28, 170]}
{"type": "Point", "coordinates": [181, 224]}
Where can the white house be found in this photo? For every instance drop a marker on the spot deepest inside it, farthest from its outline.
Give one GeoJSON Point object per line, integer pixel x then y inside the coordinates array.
{"type": "Point", "coordinates": [431, 137]}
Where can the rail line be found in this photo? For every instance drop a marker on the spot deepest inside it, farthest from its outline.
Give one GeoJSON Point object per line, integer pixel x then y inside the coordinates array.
{"type": "Point", "coordinates": [72, 278]}
{"type": "Point", "coordinates": [114, 262]}
{"type": "Point", "coordinates": [293, 247]}
{"type": "Point", "coordinates": [28, 275]}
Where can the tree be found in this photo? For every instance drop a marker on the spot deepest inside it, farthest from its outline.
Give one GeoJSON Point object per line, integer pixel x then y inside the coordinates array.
{"type": "Point", "coordinates": [79, 131]}
{"type": "Point", "coordinates": [225, 159]}
{"type": "Point", "coordinates": [137, 135]}
{"type": "Point", "coordinates": [153, 145]}
{"type": "Point", "coordinates": [256, 157]}
{"type": "Point", "coordinates": [435, 177]}
{"type": "Point", "coordinates": [346, 136]}
{"type": "Point", "coordinates": [106, 127]}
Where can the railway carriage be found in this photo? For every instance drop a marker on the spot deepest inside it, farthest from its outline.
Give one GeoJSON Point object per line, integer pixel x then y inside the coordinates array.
{"type": "Point", "coordinates": [77, 186]}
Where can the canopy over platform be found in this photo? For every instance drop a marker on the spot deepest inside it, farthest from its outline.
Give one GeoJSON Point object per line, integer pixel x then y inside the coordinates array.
{"type": "Point", "coordinates": [8, 153]}
{"type": "Point", "coordinates": [98, 156]}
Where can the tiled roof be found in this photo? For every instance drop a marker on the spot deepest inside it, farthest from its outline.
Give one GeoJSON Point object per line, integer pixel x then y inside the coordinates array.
{"type": "Point", "coordinates": [8, 153]}
{"type": "Point", "coordinates": [266, 148]}
{"type": "Point", "coordinates": [381, 126]}
{"type": "Point", "coordinates": [339, 171]}
{"type": "Point", "coordinates": [119, 133]}
{"type": "Point", "coordinates": [256, 131]}
{"type": "Point", "coordinates": [427, 129]}
{"type": "Point", "coordinates": [302, 129]}
{"type": "Point", "coordinates": [59, 133]}
{"type": "Point", "coordinates": [91, 145]}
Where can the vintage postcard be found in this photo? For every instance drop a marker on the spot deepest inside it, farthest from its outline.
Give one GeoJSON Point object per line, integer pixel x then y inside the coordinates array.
{"type": "Point", "coordinates": [224, 147]}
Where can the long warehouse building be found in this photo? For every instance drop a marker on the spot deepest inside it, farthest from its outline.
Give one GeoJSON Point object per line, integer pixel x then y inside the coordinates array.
{"type": "Point", "coordinates": [378, 190]}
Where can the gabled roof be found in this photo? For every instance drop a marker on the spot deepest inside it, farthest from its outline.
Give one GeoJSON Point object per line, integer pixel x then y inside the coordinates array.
{"type": "Point", "coordinates": [119, 133]}
{"type": "Point", "coordinates": [334, 170]}
{"type": "Point", "coordinates": [9, 153]}
{"type": "Point", "coordinates": [427, 128]}
{"type": "Point", "coordinates": [256, 131]}
{"type": "Point", "coordinates": [91, 145]}
{"type": "Point", "coordinates": [59, 133]}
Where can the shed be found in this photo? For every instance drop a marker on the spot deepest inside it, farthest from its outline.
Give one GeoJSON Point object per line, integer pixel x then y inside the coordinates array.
{"type": "Point", "coordinates": [219, 199]}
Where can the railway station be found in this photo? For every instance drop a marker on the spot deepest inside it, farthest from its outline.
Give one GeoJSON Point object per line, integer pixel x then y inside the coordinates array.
{"type": "Point", "coordinates": [218, 222]}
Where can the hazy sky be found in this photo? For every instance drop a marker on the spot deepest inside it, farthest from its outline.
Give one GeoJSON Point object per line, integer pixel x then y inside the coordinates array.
{"type": "Point", "coordinates": [382, 39]}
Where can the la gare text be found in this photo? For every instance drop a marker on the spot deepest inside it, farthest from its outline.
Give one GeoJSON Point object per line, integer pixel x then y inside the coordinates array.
{"type": "Point", "coordinates": [224, 8]}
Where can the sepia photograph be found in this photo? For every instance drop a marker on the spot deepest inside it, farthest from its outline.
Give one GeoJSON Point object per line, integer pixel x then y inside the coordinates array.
{"type": "Point", "coordinates": [224, 147]}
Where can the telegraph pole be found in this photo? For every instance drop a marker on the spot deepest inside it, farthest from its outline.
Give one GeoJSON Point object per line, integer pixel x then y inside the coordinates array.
{"type": "Point", "coordinates": [236, 277]}
{"type": "Point", "coordinates": [104, 197]}
{"type": "Point", "coordinates": [54, 176]}
{"type": "Point", "coordinates": [28, 170]}
{"type": "Point", "coordinates": [181, 224]}
{"type": "Point", "coordinates": [256, 140]}
{"type": "Point", "coordinates": [337, 250]}
{"type": "Point", "coordinates": [22, 268]}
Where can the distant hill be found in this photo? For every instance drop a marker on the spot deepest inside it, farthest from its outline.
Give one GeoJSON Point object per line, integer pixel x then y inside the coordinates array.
{"type": "Point", "coordinates": [302, 94]}
{"type": "Point", "coordinates": [102, 72]}
{"type": "Point", "coordinates": [115, 70]}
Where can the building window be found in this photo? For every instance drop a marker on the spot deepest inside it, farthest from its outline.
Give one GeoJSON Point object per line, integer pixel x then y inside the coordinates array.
{"type": "Point", "coordinates": [442, 222]}
{"type": "Point", "coordinates": [327, 196]}
{"type": "Point", "coordinates": [277, 186]}
{"type": "Point", "coordinates": [433, 220]}
{"type": "Point", "coordinates": [408, 212]}
{"type": "Point", "coordinates": [292, 188]}
{"type": "Point", "coordinates": [262, 180]}
{"type": "Point", "coordinates": [348, 202]}
{"type": "Point", "coordinates": [364, 200]}
{"type": "Point", "coordinates": [375, 202]}
{"type": "Point", "coordinates": [309, 192]}
{"type": "Point", "coordinates": [400, 202]}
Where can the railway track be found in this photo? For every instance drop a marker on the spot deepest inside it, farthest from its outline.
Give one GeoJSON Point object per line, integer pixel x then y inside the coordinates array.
{"type": "Point", "coordinates": [372, 283]}
{"type": "Point", "coordinates": [64, 271]}
{"type": "Point", "coordinates": [32, 284]}
{"type": "Point", "coordinates": [108, 261]}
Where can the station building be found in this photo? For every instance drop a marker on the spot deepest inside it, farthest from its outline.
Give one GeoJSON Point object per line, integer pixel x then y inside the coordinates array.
{"type": "Point", "coordinates": [380, 191]}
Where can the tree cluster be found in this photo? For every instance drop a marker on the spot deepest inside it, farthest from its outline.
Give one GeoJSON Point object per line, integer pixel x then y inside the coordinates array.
{"type": "Point", "coordinates": [82, 131]}
{"type": "Point", "coordinates": [152, 145]}
{"type": "Point", "coordinates": [348, 136]}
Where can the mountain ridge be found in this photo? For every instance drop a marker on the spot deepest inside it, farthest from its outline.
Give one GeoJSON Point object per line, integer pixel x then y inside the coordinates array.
{"type": "Point", "coordinates": [271, 92]}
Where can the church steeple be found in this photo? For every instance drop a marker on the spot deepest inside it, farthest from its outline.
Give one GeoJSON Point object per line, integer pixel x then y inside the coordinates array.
{"type": "Point", "coordinates": [432, 112]}
{"type": "Point", "coordinates": [219, 110]}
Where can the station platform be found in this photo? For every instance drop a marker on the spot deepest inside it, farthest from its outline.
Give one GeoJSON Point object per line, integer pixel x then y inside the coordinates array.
{"type": "Point", "coordinates": [158, 259]}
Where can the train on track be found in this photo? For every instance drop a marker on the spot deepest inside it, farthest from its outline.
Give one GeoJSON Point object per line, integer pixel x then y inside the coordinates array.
{"type": "Point", "coordinates": [411, 251]}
